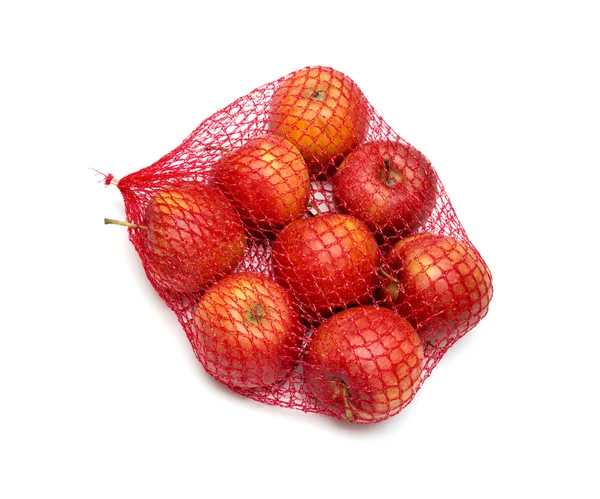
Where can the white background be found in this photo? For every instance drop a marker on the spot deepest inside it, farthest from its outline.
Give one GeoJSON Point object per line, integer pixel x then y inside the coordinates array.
{"type": "Point", "coordinates": [101, 394]}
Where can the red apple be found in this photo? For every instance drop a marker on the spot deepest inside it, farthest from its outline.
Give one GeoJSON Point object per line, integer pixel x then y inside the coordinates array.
{"type": "Point", "coordinates": [193, 236]}
{"type": "Point", "coordinates": [364, 364]}
{"type": "Point", "coordinates": [248, 331]}
{"type": "Point", "coordinates": [439, 283]}
{"type": "Point", "coordinates": [322, 112]}
{"type": "Point", "coordinates": [389, 185]}
{"type": "Point", "coordinates": [327, 262]}
{"type": "Point", "coordinates": [267, 180]}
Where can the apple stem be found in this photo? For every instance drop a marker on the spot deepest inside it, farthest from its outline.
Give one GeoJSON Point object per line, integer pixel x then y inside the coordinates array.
{"type": "Point", "coordinates": [389, 177]}
{"type": "Point", "coordinates": [110, 221]}
{"type": "Point", "coordinates": [216, 148]}
{"type": "Point", "coordinates": [386, 164]}
{"type": "Point", "coordinates": [388, 275]}
{"type": "Point", "coordinates": [346, 395]}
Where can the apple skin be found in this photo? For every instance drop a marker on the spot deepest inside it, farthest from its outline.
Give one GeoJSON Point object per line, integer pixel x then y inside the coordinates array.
{"type": "Point", "coordinates": [248, 331]}
{"type": "Point", "coordinates": [323, 113]}
{"type": "Point", "coordinates": [267, 180]}
{"type": "Point", "coordinates": [440, 284]}
{"type": "Point", "coordinates": [389, 185]}
{"type": "Point", "coordinates": [193, 236]}
{"type": "Point", "coordinates": [327, 262]}
{"type": "Point", "coordinates": [364, 364]}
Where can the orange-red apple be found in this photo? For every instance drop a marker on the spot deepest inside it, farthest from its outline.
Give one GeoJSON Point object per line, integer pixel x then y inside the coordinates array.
{"type": "Point", "coordinates": [388, 184]}
{"type": "Point", "coordinates": [364, 364]}
{"type": "Point", "coordinates": [439, 283]}
{"type": "Point", "coordinates": [326, 262]}
{"type": "Point", "coordinates": [267, 180]}
{"type": "Point", "coordinates": [193, 236]}
{"type": "Point", "coordinates": [322, 112]}
{"type": "Point", "coordinates": [248, 331]}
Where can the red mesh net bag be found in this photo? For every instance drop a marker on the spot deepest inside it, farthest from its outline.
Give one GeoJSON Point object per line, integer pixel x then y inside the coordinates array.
{"type": "Point", "coordinates": [311, 254]}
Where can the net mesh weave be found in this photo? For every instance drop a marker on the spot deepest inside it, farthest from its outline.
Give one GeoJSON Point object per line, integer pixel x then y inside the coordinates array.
{"type": "Point", "coordinates": [311, 255]}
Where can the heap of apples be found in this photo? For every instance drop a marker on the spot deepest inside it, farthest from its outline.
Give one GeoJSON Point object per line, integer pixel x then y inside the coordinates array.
{"type": "Point", "coordinates": [307, 252]}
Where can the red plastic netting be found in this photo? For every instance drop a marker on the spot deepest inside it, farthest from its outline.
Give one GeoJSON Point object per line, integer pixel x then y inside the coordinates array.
{"type": "Point", "coordinates": [311, 254]}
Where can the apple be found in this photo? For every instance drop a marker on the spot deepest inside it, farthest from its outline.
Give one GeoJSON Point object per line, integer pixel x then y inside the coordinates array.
{"type": "Point", "coordinates": [193, 236]}
{"type": "Point", "coordinates": [439, 283]}
{"type": "Point", "coordinates": [267, 180]}
{"type": "Point", "coordinates": [364, 364]}
{"type": "Point", "coordinates": [248, 331]}
{"type": "Point", "coordinates": [322, 112]}
{"type": "Point", "coordinates": [326, 262]}
{"type": "Point", "coordinates": [388, 184]}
